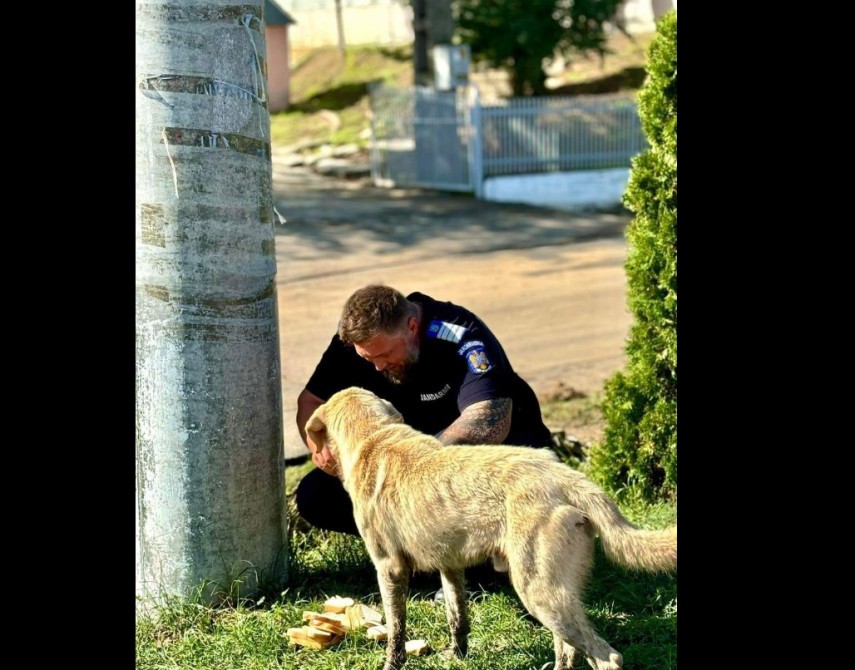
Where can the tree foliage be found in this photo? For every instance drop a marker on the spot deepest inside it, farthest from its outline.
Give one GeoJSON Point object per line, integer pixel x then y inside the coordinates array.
{"type": "Point", "coordinates": [638, 455]}
{"type": "Point", "coordinates": [521, 36]}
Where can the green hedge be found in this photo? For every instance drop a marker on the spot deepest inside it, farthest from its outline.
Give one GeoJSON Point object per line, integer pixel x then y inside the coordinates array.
{"type": "Point", "coordinates": [638, 455]}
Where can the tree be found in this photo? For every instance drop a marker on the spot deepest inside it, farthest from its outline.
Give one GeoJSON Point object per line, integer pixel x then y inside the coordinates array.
{"type": "Point", "coordinates": [638, 454]}
{"type": "Point", "coordinates": [210, 499]}
{"type": "Point", "coordinates": [522, 35]}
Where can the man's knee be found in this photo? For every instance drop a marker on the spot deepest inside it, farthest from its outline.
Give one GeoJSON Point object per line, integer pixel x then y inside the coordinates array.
{"type": "Point", "coordinates": [323, 502]}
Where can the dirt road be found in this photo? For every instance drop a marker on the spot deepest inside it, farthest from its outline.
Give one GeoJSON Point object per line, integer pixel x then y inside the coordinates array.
{"type": "Point", "coordinates": [551, 285]}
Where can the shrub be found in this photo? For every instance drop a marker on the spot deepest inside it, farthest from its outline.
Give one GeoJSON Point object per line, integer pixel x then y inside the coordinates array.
{"type": "Point", "coordinates": [638, 454]}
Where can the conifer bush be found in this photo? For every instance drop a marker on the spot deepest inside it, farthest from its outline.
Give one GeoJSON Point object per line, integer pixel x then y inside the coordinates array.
{"type": "Point", "coordinates": [637, 457]}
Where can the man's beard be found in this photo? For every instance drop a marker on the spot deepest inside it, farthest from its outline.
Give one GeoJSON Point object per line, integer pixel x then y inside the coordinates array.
{"type": "Point", "coordinates": [398, 374]}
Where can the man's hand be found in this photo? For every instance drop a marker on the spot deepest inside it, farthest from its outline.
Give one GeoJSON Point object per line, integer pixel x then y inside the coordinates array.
{"type": "Point", "coordinates": [323, 459]}
{"type": "Point", "coordinates": [307, 403]}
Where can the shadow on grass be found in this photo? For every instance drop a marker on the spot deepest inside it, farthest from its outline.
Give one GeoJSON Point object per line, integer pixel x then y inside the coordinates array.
{"type": "Point", "coordinates": [325, 563]}
{"type": "Point", "coordinates": [628, 79]}
{"type": "Point", "coordinates": [334, 99]}
{"type": "Point", "coordinates": [400, 54]}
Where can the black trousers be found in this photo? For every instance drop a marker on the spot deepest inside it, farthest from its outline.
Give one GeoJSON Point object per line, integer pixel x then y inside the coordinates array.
{"type": "Point", "coordinates": [323, 502]}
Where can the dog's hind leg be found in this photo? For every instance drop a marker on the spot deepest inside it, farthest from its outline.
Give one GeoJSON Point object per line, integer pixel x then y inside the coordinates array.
{"type": "Point", "coordinates": [564, 614]}
{"type": "Point", "coordinates": [393, 578]}
{"type": "Point", "coordinates": [549, 565]}
{"type": "Point", "coordinates": [599, 654]}
{"type": "Point", "coordinates": [456, 611]}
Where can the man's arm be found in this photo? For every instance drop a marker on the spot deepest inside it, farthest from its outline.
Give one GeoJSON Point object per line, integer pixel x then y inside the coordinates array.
{"type": "Point", "coordinates": [307, 402]}
{"type": "Point", "coordinates": [485, 422]}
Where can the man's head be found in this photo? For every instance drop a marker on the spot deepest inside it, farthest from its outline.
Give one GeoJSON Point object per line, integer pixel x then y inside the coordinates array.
{"type": "Point", "coordinates": [383, 327]}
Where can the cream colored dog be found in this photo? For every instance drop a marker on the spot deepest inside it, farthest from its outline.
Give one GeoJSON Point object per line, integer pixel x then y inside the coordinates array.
{"type": "Point", "coordinates": [423, 506]}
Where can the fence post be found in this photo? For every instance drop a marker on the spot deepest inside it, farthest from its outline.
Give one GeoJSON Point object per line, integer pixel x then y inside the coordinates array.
{"type": "Point", "coordinates": [374, 90]}
{"type": "Point", "coordinates": [476, 153]}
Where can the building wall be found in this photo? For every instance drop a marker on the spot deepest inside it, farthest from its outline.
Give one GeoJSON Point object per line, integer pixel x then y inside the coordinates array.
{"type": "Point", "coordinates": [639, 16]}
{"type": "Point", "coordinates": [278, 67]}
{"type": "Point", "coordinates": [390, 22]}
{"type": "Point", "coordinates": [387, 23]}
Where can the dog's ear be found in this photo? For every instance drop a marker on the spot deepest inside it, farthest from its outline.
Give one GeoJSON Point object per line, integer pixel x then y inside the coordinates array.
{"type": "Point", "coordinates": [391, 411]}
{"type": "Point", "coordinates": [316, 428]}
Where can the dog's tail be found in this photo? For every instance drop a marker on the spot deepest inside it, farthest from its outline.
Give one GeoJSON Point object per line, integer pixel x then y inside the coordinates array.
{"type": "Point", "coordinates": [624, 543]}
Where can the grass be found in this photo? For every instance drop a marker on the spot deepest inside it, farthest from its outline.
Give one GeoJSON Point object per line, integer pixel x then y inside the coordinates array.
{"type": "Point", "coordinates": [574, 414]}
{"type": "Point", "coordinates": [329, 97]}
{"type": "Point", "coordinates": [636, 613]}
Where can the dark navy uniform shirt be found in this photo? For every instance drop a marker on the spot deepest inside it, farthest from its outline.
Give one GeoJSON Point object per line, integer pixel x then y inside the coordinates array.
{"type": "Point", "coordinates": [460, 363]}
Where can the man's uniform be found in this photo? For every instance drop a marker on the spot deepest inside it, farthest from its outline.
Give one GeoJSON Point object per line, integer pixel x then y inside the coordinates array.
{"type": "Point", "coordinates": [460, 363]}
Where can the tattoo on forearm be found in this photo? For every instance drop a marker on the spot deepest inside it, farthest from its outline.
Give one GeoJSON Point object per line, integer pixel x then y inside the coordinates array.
{"type": "Point", "coordinates": [486, 422]}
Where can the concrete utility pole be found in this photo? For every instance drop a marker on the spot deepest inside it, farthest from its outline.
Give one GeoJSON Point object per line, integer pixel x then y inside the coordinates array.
{"type": "Point", "coordinates": [433, 24]}
{"type": "Point", "coordinates": [210, 485]}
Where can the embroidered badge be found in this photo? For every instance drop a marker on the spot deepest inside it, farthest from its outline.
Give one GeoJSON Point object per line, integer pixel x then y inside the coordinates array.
{"type": "Point", "coordinates": [442, 330]}
{"type": "Point", "coordinates": [466, 347]}
{"type": "Point", "coordinates": [478, 361]}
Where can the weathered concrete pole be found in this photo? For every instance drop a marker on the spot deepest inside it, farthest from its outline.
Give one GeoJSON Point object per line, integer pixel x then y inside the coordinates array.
{"type": "Point", "coordinates": [210, 498]}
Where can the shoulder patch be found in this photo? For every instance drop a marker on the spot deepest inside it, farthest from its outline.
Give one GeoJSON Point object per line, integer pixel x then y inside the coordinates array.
{"type": "Point", "coordinates": [477, 360]}
{"type": "Point", "coordinates": [466, 347]}
{"type": "Point", "coordinates": [442, 330]}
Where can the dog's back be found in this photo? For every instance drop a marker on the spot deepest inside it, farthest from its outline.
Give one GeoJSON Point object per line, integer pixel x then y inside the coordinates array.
{"type": "Point", "coordinates": [441, 505]}
{"type": "Point", "coordinates": [451, 505]}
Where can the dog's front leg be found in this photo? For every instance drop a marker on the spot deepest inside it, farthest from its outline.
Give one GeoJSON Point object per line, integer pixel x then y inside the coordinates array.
{"type": "Point", "coordinates": [393, 577]}
{"type": "Point", "coordinates": [456, 611]}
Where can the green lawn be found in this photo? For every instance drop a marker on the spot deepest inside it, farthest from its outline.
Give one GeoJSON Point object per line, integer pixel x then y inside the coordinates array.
{"type": "Point", "coordinates": [329, 96]}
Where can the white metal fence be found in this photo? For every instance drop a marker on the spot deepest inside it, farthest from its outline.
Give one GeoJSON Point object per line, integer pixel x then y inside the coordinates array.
{"type": "Point", "coordinates": [448, 140]}
{"type": "Point", "coordinates": [421, 137]}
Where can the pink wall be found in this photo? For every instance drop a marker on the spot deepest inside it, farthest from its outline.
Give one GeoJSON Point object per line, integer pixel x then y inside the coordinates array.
{"type": "Point", "coordinates": [278, 67]}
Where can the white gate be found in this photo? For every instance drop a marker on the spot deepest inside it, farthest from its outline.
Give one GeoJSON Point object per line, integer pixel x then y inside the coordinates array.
{"type": "Point", "coordinates": [421, 137]}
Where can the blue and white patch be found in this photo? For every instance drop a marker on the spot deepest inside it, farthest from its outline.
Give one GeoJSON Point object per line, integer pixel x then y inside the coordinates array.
{"type": "Point", "coordinates": [478, 361]}
{"type": "Point", "coordinates": [442, 330]}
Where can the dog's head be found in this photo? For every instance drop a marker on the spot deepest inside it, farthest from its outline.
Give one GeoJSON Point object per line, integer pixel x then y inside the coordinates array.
{"type": "Point", "coordinates": [347, 418]}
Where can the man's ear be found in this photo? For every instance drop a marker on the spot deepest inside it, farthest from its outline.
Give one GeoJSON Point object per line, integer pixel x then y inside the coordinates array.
{"type": "Point", "coordinates": [316, 428]}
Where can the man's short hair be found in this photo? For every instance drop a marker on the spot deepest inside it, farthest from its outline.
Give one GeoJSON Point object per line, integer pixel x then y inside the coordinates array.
{"type": "Point", "coordinates": [373, 310]}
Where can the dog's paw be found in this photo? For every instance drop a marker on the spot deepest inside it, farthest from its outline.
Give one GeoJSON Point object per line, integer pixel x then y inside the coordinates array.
{"type": "Point", "coordinates": [615, 662]}
{"type": "Point", "coordinates": [395, 661]}
{"type": "Point", "coordinates": [451, 653]}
